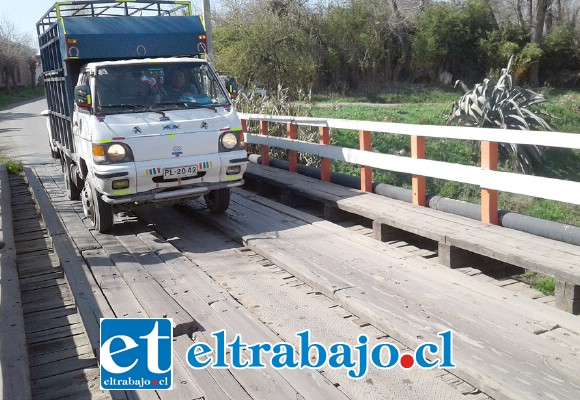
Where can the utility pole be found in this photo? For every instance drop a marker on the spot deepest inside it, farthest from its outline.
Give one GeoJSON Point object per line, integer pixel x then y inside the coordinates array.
{"type": "Point", "coordinates": [206, 12]}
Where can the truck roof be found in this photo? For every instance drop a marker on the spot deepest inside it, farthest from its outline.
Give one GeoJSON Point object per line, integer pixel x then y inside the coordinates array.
{"type": "Point", "coordinates": [105, 30]}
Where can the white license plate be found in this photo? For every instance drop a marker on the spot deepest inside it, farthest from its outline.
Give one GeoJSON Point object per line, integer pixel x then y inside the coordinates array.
{"type": "Point", "coordinates": [179, 172]}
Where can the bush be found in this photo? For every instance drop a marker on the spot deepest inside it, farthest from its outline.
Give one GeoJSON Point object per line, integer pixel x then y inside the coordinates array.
{"type": "Point", "coordinates": [561, 50]}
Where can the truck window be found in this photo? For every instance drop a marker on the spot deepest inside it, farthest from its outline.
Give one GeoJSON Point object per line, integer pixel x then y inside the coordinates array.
{"type": "Point", "coordinates": [122, 88]}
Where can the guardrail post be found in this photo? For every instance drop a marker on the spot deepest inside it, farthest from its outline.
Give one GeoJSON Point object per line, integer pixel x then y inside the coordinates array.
{"type": "Point", "coordinates": [244, 130]}
{"type": "Point", "coordinates": [292, 130]}
{"type": "Point", "coordinates": [324, 162]}
{"type": "Point", "coordinates": [418, 181]}
{"type": "Point", "coordinates": [366, 173]}
{"type": "Point", "coordinates": [265, 150]}
{"type": "Point", "coordinates": [489, 155]}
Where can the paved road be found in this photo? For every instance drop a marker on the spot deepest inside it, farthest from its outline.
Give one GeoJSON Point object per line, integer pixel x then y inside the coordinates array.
{"type": "Point", "coordinates": [23, 134]}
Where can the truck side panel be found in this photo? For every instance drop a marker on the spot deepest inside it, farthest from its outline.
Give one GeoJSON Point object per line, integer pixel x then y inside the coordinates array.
{"type": "Point", "coordinates": [58, 86]}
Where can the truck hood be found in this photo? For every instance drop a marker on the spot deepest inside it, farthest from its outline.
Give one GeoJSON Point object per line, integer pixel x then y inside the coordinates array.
{"type": "Point", "coordinates": [177, 133]}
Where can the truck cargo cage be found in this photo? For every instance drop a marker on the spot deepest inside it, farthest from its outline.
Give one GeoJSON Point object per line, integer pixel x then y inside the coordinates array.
{"type": "Point", "coordinates": [111, 9]}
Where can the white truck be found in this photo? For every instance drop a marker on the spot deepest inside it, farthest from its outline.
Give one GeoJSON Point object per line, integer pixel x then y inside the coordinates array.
{"type": "Point", "coordinates": [136, 114]}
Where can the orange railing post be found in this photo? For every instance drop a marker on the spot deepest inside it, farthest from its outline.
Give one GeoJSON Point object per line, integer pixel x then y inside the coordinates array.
{"type": "Point", "coordinates": [292, 130]}
{"type": "Point", "coordinates": [324, 162]}
{"type": "Point", "coordinates": [489, 155]}
{"type": "Point", "coordinates": [265, 150]}
{"type": "Point", "coordinates": [418, 181]}
{"type": "Point", "coordinates": [366, 173]}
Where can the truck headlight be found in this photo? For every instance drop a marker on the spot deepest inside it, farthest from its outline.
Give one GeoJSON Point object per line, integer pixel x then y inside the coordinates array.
{"type": "Point", "coordinates": [116, 152]}
{"type": "Point", "coordinates": [112, 153]}
{"type": "Point", "coordinates": [229, 140]}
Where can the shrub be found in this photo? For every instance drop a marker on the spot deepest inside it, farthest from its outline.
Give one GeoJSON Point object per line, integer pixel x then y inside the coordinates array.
{"type": "Point", "coordinates": [503, 106]}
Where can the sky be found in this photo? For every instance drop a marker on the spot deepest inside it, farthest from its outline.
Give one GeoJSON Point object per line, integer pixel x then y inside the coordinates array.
{"type": "Point", "coordinates": [24, 14]}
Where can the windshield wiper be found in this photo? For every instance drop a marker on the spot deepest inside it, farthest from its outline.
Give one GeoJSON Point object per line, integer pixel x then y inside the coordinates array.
{"type": "Point", "coordinates": [122, 105]}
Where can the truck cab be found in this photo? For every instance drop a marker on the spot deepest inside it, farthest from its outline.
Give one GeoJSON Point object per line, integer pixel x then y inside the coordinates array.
{"type": "Point", "coordinates": [132, 129]}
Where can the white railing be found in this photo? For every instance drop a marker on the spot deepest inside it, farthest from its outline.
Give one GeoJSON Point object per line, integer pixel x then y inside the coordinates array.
{"type": "Point", "coordinates": [485, 176]}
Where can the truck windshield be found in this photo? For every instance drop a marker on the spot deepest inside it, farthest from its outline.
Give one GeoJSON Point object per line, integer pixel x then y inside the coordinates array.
{"type": "Point", "coordinates": [157, 87]}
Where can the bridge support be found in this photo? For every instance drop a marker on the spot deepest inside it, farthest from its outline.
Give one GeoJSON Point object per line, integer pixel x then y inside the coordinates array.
{"type": "Point", "coordinates": [568, 297]}
{"type": "Point", "coordinates": [292, 130]}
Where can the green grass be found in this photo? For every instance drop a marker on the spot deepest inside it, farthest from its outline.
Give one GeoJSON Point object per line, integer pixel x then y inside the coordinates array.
{"type": "Point", "coordinates": [12, 166]}
{"type": "Point", "coordinates": [559, 163]}
{"type": "Point", "coordinates": [20, 95]}
{"type": "Point", "coordinates": [544, 284]}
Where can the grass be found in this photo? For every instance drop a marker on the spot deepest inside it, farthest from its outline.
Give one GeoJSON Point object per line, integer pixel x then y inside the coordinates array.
{"type": "Point", "coordinates": [435, 106]}
{"type": "Point", "coordinates": [544, 284]}
{"type": "Point", "coordinates": [12, 166]}
{"type": "Point", "coordinates": [20, 95]}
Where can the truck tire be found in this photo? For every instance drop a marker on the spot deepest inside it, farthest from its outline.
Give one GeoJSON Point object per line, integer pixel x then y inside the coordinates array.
{"type": "Point", "coordinates": [53, 153]}
{"type": "Point", "coordinates": [73, 192]}
{"type": "Point", "coordinates": [218, 201]}
{"type": "Point", "coordinates": [99, 212]}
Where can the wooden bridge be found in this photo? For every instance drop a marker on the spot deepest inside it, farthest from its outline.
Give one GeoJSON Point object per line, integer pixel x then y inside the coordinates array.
{"type": "Point", "coordinates": [295, 253]}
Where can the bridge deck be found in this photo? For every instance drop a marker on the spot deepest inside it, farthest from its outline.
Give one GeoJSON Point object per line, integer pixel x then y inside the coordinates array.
{"type": "Point", "coordinates": [508, 345]}
{"type": "Point", "coordinates": [457, 237]}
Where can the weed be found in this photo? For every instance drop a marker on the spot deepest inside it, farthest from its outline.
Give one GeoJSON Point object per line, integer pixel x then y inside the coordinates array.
{"type": "Point", "coordinates": [12, 166]}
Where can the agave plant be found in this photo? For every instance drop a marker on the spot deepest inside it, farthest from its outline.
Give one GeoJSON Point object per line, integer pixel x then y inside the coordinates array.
{"type": "Point", "coordinates": [504, 106]}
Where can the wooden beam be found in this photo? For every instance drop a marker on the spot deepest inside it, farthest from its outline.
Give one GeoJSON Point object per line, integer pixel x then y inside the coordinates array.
{"type": "Point", "coordinates": [366, 173]}
{"type": "Point", "coordinates": [418, 181]}
{"type": "Point", "coordinates": [324, 162]}
{"type": "Point", "coordinates": [292, 130]}
{"type": "Point", "coordinates": [489, 155]}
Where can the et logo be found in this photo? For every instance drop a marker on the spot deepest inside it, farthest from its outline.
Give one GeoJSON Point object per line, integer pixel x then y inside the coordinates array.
{"type": "Point", "coordinates": [136, 354]}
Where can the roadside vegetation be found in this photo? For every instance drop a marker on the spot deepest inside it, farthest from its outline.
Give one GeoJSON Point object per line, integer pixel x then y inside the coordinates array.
{"type": "Point", "coordinates": [20, 94]}
{"type": "Point", "coordinates": [13, 167]}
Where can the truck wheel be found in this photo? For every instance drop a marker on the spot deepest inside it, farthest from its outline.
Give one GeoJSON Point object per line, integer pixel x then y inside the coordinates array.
{"type": "Point", "coordinates": [99, 212]}
{"type": "Point", "coordinates": [73, 192]}
{"type": "Point", "coordinates": [218, 201]}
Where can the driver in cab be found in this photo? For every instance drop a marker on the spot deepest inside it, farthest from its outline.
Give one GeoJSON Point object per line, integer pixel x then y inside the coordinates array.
{"type": "Point", "coordinates": [178, 86]}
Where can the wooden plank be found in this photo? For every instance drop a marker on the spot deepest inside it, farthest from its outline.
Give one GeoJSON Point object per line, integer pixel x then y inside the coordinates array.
{"type": "Point", "coordinates": [81, 352]}
{"type": "Point", "coordinates": [14, 368]}
{"type": "Point", "coordinates": [90, 301]}
{"type": "Point", "coordinates": [114, 287]}
{"type": "Point", "coordinates": [49, 387]}
{"type": "Point", "coordinates": [43, 324]}
{"type": "Point", "coordinates": [69, 342]}
{"type": "Point", "coordinates": [60, 367]}
{"type": "Point", "coordinates": [454, 292]}
{"type": "Point", "coordinates": [211, 382]}
{"type": "Point", "coordinates": [58, 332]}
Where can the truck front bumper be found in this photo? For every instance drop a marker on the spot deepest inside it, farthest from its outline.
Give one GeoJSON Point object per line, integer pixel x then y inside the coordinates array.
{"type": "Point", "coordinates": [162, 196]}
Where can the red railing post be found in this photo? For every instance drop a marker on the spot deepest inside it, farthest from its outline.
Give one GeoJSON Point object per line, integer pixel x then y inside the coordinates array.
{"type": "Point", "coordinates": [489, 156]}
{"type": "Point", "coordinates": [265, 150]}
{"type": "Point", "coordinates": [418, 181]}
{"type": "Point", "coordinates": [366, 173]}
{"type": "Point", "coordinates": [292, 130]}
{"type": "Point", "coordinates": [324, 162]}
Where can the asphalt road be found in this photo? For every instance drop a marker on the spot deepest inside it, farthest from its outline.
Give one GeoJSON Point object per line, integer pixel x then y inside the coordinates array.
{"type": "Point", "coordinates": [23, 134]}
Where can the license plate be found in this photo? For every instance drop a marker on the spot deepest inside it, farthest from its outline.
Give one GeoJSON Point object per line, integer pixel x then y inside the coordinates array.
{"type": "Point", "coordinates": [179, 172]}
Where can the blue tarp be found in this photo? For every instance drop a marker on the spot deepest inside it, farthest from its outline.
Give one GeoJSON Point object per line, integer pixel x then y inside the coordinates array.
{"type": "Point", "coordinates": [133, 37]}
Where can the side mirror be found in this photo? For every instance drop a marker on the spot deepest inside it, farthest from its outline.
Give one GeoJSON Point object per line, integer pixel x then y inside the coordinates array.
{"type": "Point", "coordinates": [83, 96]}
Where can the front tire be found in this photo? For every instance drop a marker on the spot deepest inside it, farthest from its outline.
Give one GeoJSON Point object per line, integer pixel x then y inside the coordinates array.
{"type": "Point", "coordinates": [218, 201]}
{"type": "Point", "coordinates": [99, 212]}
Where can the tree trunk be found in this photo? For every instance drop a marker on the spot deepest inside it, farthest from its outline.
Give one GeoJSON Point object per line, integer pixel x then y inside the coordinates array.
{"type": "Point", "coordinates": [537, 35]}
{"type": "Point", "coordinates": [519, 14]}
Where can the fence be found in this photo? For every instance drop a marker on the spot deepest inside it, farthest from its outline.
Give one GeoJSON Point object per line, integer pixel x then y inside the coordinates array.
{"type": "Point", "coordinates": [486, 176]}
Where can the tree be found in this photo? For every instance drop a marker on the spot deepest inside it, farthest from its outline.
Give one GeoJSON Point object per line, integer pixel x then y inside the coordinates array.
{"type": "Point", "coordinates": [15, 52]}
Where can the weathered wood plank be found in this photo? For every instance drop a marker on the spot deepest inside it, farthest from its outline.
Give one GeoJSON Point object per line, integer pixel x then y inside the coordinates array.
{"type": "Point", "coordinates": [14, 368]}
{"type": "Point", "coordinates": [405, 293]}
{"type": "Point", "coordinates": [80, 352]}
